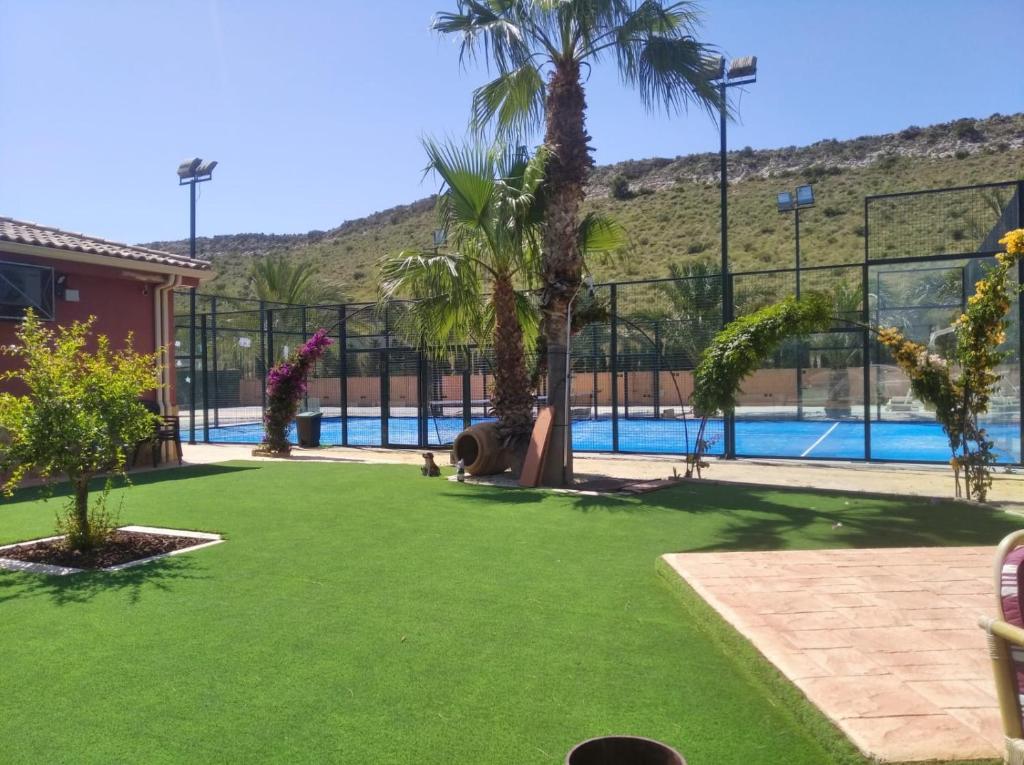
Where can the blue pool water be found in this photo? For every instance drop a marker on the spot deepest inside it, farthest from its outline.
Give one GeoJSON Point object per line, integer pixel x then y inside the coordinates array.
{"type": "Point", "coordinates": [811, 439]}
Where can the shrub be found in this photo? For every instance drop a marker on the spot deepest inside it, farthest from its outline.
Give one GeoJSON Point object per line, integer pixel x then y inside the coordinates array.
{"type": "Point", "coordinates": [832, 212]}
{"type": "Point", "coordinates": [696, 248]}
{"type": "Point", "coordinates": [960, 401]}
{"type": "Point", "coordinates": [967, 130]}
{"type": "Point", "coordinates": [741, 348]}
{"type": "Point", "coordinates": [286, 384]}
{"type": "Point", "coordinates": [81, 412]}
{"type": "Point", "coordinates": [962, 154]}
{"type": "Point", "coordinates": [618, 186]}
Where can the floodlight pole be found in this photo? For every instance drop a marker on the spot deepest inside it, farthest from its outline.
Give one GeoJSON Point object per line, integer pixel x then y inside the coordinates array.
{"type": "Point", "coordinates": [191, 172]}
{"type": "Point", "coordinates": [192, 319]}
{"type": "Point", "coordinates": [799, 344]}
{"type": "Point", "coordinates": [724, 83]}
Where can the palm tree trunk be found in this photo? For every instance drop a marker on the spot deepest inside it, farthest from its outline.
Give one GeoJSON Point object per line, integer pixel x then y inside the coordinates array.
{"type": "Point", "coordinates": [567, 173]}
{"type": "Point", "coordinates": [512, 401]}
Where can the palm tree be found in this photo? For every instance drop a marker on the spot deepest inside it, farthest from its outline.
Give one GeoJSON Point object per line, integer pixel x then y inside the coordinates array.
{"type": "Point", "coordinates": [465, 293]}
{"type": "Point", "coordinates": [539, 49]}
{"type": "Point", "coordinates": [280, 279]}
{"type": "Point", "coordinates": [695, 295]}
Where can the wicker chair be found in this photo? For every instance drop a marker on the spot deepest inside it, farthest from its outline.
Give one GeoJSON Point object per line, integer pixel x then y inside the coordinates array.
{"type": "Point", "coordinates": [1006, 642]}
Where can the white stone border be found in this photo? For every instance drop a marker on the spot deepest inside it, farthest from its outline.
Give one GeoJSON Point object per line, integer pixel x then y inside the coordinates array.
{"type": "Point", "coordinates": [9, 564]}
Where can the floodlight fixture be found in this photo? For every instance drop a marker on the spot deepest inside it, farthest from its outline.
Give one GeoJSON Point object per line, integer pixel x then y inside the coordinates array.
{"type": "Point", "coordinates": [440, 236]}
{"type": "Point", "coordinates": [206, 168]}
{"type": "Point", "coordinates": [805, 196]}
{"type": "Point", "coordinates": [714, 67]}
{"type": "Point", "coordinates": [188, 168]}
{"type": "Point", "coordinates": [743, 68]}
{"type": "Point", "coordinates": [785, 201]}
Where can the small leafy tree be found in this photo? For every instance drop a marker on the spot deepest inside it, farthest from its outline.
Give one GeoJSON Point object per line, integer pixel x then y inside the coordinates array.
{"type": "Point", "coordinates": [740, 349]}
{"type": "Point", "coordinates": [80, 414]}
{"type": "Point", "coordinates": [286, 384]}
{"type": "Point", "coordinates": [959, 400]}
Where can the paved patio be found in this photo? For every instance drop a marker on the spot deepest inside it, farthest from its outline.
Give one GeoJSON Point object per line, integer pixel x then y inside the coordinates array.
{"type": "Point", "coordinates": [883, 641]}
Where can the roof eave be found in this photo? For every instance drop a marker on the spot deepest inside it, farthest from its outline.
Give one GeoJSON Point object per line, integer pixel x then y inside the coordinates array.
{"type": "Point", "coordinates": [112, 261]}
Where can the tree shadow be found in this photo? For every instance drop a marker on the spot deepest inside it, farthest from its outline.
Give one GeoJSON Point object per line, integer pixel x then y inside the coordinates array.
{"type": "Point", "coordinates": [753, 518]}
{"type": "Point", "coordinates": [80, 588]}
{"type": "Point", "coordinates": [150, 477]}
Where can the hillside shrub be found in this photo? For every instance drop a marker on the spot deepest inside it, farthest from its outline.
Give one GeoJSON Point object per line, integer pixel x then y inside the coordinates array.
{"type": "Point", "coordinates": [618, 187]}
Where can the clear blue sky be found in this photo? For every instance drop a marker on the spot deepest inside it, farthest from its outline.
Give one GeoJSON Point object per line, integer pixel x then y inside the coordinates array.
{"type": "Point", "coordinates": [315, 108]}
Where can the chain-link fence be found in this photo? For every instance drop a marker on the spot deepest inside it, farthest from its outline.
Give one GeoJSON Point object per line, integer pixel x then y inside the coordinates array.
{"type": "Point", "coordinates": [834, 395]}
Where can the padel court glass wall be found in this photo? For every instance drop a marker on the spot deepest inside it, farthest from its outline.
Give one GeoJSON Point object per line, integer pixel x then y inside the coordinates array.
{"type": "Point", "coordinates": [835, 395]}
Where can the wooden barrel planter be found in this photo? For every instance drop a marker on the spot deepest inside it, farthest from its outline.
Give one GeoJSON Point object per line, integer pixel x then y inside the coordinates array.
{"type": "Point", "coordinates": [479, 447]}
{"type": "Point", "coordinates": [623, 750]}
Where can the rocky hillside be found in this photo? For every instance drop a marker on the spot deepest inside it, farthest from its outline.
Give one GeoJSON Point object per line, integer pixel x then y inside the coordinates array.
{"type": "Point", "coordinates": [670, 206]}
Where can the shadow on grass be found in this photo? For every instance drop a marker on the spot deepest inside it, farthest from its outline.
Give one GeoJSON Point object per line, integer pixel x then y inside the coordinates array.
{"type": "Point", "coordinates": [741, 517]}
{"type": "Point", "coordinates": [188, 472]}
{"type": "Point", "coordinates": [80, 588]}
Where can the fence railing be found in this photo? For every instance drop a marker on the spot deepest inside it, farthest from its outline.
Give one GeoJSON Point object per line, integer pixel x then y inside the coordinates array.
{"type": "Point", "coordinates": [836, 395]}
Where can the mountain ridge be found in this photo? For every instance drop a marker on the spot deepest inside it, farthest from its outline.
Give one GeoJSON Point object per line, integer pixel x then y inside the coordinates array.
{"type": "Point", "coordinates": [670, 206]}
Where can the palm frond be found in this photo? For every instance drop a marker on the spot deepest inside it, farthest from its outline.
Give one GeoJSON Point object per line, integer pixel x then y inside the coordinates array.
{"type": "Point", "coordinates": [446, 292]}
{"type": "Point", "coordinates": [600, 234]}
{"type": "Point", "coordinates": [513, 102]}
{"type": "Point", "coordinates": [670, 72]}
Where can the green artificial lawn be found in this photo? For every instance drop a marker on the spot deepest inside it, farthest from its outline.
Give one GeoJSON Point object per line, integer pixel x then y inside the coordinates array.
{"type": "Point", "coordinates": [364, 614]}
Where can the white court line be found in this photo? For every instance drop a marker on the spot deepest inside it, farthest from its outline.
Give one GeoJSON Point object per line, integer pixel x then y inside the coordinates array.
{"type": "Point", "coordinates": [825, 435]}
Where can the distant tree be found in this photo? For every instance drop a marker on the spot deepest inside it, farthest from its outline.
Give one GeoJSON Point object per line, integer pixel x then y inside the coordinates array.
{"type": "Point", "coordinates": [618, 187]}
{"type": "Point", "coordinates": [79, 415]}
{"type": "Point", "coordinates": [695, 307]}
{"type": "Point", "coordinates": [284, 279]}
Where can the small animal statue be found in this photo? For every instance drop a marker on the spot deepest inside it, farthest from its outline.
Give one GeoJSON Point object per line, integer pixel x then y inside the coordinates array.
{"type": "Point", "coordinates": [430, 467]}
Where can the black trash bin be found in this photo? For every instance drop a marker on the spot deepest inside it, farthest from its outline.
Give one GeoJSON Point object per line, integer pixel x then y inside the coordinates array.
{"type": "Point", "coordinates": [307, 426]}
{"type": "Point", "coordinates": [623, 750]}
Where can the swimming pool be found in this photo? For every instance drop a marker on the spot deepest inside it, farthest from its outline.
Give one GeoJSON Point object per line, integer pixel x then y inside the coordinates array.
{"type": "Point", "coordinates": [808, 439]}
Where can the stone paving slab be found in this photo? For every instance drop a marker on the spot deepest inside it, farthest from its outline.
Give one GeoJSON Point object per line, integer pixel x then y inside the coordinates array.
{"type": "Point", "coordinates": [884, 641]}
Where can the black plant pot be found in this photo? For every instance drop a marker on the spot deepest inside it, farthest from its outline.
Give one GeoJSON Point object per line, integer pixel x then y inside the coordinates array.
{"type": "Point", "coordinates": [623, 750]}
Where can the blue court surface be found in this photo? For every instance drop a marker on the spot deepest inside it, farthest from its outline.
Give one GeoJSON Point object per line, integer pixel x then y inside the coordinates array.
{"type": "Point", "coordinates": [809, 439]}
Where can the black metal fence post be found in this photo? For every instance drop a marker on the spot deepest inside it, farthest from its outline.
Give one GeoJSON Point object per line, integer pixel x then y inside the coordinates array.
{"type": "Point", "coordinates": [271, 356]}
{"type": "Point", "coordinates": [192, 364]}
{"type": "Point", "coordinates": [343, 371]}
{"type": "Point", "coordinates": [728, 419]}
{"type": "Point", "coordinates": [206, 378]}
{"type": "Point", "coordinates": [593, 367]}
{"type": "Point", "coordinates": [614, 366]}
{"type": "Point", "coordinates": [868, 392]}
{"type": "Point", "coordinates": [467, 391]}
{"type": "Point", "coordinates": [305, 336]}
{"type": "Point", "coordinates": [1020, 320]}
{"type": "Point", "coordinates": [263, 366]}
{"type": "Point", "coordinates": [385, 396]}
{"type": "Point", "coordinates": [422, 397]}
{"type": "Point", "coordinates": [657, 370]}
{"type": "Point", "coordinates": [213, 362]}
{"type": "Point", "coordinates": [866, 359]}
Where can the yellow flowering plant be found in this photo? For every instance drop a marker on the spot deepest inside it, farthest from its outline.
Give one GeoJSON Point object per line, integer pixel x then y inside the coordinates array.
{"type": "Point", "coordinates": [960, 399]}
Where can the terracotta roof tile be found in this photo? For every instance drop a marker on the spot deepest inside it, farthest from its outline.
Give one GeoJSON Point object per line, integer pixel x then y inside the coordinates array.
{"type": "Point", "coordinates": [24, 232]}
